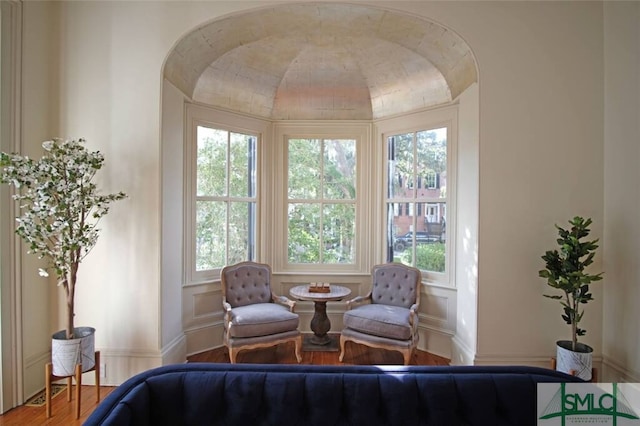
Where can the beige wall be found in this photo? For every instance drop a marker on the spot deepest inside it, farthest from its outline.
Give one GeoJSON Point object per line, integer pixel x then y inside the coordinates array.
{"type": "Point", "coordinates": [621, 242]}
{"type": "Point", "coordinates": [541, 123]}
{"type": "Point", "coordinates": [36, 307]}
{"type": "Point", "coordinates": [541, 163]}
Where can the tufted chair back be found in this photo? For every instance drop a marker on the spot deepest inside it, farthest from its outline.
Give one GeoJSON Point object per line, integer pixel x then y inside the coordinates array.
{"type": "Point", "coordinates": [247, 283]}
{"type": "Point", "coordinates": [395, 284]}
{"type": "Point", "coordinates": [387, 317]}
{"type": "Point", "coordinates": [255, 317]}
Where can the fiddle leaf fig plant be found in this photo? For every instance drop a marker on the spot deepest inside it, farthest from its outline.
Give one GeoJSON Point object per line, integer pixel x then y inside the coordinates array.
{"type": "Point", "coordinates": [565, 270]}
{"type": "Point", "coordinates": [60, 208]}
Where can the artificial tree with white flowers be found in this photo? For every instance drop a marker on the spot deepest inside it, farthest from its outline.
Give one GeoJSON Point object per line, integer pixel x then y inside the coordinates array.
{"type": "Point", "coordinates": [60, 208]}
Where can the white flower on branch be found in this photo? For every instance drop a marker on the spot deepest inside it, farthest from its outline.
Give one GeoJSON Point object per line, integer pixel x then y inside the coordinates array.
{"type": "Point", "coordinates": [59, 204]}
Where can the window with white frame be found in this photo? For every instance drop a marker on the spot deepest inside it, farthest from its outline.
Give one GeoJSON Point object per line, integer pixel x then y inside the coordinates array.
{"type": "Point", "coordinates": [323, 203]}
{"type": "Point", "coordinates": [417, 163]}
{"type": "Point", "coordinates": [321, 200]}
{"type": "Point", "coordinates": [224, 198]}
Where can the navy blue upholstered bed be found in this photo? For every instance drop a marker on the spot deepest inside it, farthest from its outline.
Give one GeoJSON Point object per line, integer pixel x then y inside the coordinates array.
{"type": "Point", "coordinates": [281, 395]}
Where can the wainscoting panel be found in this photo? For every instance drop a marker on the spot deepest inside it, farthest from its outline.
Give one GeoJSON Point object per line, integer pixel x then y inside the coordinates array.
{"type": "Point", "coordinates": [437, 324]}
{"type": "Point", "coordinates": [34, 373]}
{"type": "Point", "coordinates": [203, 316]}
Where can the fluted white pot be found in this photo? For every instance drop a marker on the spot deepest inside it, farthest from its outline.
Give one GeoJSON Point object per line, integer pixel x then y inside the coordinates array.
{"type": "Point", "coordinates": [578, 363]}
{"type": "Point", "coordinates": [67, 353]}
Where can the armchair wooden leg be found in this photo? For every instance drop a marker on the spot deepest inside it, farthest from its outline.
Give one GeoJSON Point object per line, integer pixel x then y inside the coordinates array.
{"type": "Point", "coordinates": [342, 345]}
{"type": "Point", "coordinates": [232, 356]}
{"type": "Point", "coordinates": [406, 355]}
{"type": "Point", "coordinates": [298, 348]}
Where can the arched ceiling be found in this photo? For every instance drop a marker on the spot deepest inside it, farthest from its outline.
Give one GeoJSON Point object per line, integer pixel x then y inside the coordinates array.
{"type": "Point", "coordinates": [321, 61]}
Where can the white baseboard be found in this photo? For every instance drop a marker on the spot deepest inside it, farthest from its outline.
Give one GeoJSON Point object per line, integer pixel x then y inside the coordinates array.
{"type": "Point", "coordinates": [176, 351]}
{"type": "Point", "coordinates": [461, 354]}
{"type": "Point", "coordinates": [612, 372]}
{"type": "Point", "coordinates": [119, 365]}
{"type": "Point", "coordinates": [437, 342]}
{"type": "Point", "coordinates": [204, 338]}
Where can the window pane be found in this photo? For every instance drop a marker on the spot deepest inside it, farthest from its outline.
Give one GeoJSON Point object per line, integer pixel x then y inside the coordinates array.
{"type": "Point", "coordinates": [241, 231]}
{"type": "Point", "coordinates": [304, 169]}
{"type": "Point", "coordinates": [417, 172]}
{"type": "Point", "coordinates": [339, 169]}
{"type": "Point", "coordinates": [338, 233]}
{"type": "Point", "coordinates": [430, 257]}
{"type": "Point", "coordinates": [225, 207]}
{"type": "Point", "coordinates": [210, 234]}
{"type": "Point", "coordinates": [242, 157]}
{"type": "Point", "coordinates": [304, 233]}
{"type": "Point", "coordinates": [401, 166]}
{"type": "Point", "coordinates": [423, 236]}
{"type": "Point", "coordinates": [432, 162]}
{"type": "Point", "coordinates": [320, 229]}
{"type": "Point", "coordinates": [211, 161]}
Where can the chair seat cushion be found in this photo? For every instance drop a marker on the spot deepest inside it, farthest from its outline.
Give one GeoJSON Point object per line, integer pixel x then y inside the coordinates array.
{"type": "Point", "coordinates": [261, 319]}
{"type": "Point", "coordinates": [380, 320]}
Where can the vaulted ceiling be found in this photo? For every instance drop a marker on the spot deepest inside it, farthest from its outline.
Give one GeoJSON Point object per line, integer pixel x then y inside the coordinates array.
{"type": "Point", "coordinates": [321, 61]}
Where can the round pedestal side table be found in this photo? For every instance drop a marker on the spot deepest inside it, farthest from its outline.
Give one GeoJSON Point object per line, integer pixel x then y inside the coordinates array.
{"type": "Point", "coordinates": [320, 323]}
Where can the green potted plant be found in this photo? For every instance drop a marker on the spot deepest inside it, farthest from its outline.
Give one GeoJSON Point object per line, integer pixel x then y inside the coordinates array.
{"type": "Point", "coordinates": [60, 209]}
{"type": "Point", "coordinates": [565, 270]}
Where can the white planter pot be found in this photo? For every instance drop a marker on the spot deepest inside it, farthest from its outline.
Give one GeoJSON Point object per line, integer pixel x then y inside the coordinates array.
{"type": "Point", "coordinates": [67, 353]}
{"type": "Point", "coordinates": [578, 363]}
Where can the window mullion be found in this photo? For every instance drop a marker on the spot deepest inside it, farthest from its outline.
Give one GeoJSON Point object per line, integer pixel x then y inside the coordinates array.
{"type": "Point", "coordinates": [227, 193]}
{"type": "Point", "coordinates": [321, 202]}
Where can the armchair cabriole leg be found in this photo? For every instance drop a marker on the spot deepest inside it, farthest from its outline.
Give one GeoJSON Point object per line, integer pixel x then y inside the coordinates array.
{"type": "Point", "coordinates": [407, 357]}
{"type": "Point", "coordinates": [298, 348]}
{"type": "Point", "coordinates": [342, 345]}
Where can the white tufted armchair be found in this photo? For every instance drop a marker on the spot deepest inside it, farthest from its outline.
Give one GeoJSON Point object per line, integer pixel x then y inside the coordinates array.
{"type": "Point", "coordinates": [254, 316]}
{"type": "Point", "coordinates": [387, 317]}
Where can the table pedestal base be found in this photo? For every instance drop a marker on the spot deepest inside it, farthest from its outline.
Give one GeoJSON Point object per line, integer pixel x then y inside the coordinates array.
{"type": "Point", "coordinates": [332, 343]}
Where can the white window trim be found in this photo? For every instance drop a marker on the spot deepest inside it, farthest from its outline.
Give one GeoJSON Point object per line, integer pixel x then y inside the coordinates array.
{"type": "Point", "coordinates": [429, 119]}
{"type": "Point", "coordinates": [361, 133]}
{"type": "Point", "coordinates": [271, 197]}
{"type": "Point", "coordinates": [200, 115]}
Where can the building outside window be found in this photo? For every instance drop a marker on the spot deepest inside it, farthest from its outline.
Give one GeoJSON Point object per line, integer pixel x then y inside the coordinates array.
{"type": "Point", "coordinates": [417, 177]}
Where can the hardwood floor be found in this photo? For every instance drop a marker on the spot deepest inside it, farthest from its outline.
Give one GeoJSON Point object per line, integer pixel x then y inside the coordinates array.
{"type": "Point", "coordinates": [355, 355]}
{"type": "Point", "coordinates": [63, 411]}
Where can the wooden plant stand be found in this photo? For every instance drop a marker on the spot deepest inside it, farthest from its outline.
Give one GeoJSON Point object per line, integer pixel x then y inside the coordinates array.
{"type": "Point", "coordinates": [49, 378]}
{"type": "Point", "coordinates": [594, 371]}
